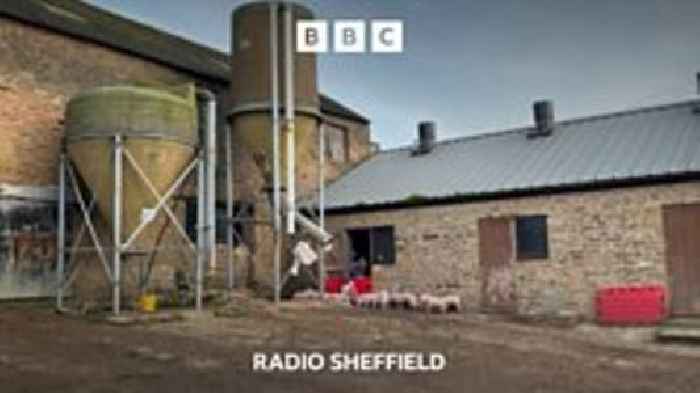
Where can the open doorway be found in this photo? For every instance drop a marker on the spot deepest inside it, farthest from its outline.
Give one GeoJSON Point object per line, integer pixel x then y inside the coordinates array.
{"type": "Point", "coordinates": [360, 252]}
{"type": "Point", "coordinates": [373, 246]}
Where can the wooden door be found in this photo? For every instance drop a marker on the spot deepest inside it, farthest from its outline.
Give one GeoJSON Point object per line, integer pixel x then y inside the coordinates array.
{"type": "Point", "coordinates": [682, 233]}
{"type": "Point", "coordinates": [496, 255]}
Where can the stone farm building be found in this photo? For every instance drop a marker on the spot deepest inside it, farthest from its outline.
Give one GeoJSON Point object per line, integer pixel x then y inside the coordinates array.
{"type": "Point", "coordinates": [533, 220]}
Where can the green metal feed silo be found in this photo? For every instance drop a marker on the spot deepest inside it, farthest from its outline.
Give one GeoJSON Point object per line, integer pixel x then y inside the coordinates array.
{"type": "Point", "coordinates": [158, 128]}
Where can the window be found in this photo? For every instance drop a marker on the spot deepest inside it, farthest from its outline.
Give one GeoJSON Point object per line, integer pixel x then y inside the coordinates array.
{"type": "Point", "coordinates": [375, 245]}
{"type": "Point", "coordinates": [221, 230]}
{"type": "Point", "coordinates": [336, 142]}
{"type": "Point", "coordinates": [531, 234]}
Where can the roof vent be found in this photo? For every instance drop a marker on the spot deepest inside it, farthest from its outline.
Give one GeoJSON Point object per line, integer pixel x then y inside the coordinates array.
{"type": "Point", "coordinates": [427, 135]}
{"type": "Point", "coordinates": [543, 112]}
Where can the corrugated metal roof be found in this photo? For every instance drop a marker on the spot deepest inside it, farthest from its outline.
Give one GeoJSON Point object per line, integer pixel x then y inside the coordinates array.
{"type": "Point", "coordinates": [637, 144]}
{"type": "Point", "coordinates": [95, 24]}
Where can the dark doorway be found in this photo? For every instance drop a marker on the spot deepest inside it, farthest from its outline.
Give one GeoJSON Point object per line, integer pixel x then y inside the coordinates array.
{"type": "Point", "coordinates": [682, 231]}
{"type": "Point", "coordinates": [361, 251]}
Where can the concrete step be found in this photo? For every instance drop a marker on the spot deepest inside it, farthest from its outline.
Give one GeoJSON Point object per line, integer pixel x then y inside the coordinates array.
{"type": "Point", "coordinates": [679, 329]}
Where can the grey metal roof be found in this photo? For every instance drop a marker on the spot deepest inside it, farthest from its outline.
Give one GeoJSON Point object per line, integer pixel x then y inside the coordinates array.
{"type": "Point", "coordinates": [79, 19]}
{"type": "Point", "coordinates": [632, 145]}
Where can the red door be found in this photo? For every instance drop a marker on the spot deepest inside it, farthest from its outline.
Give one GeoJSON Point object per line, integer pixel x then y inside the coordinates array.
{"type": "Point", "coordinates": [496, 255]}
{"type": "Point", "coordinates": [682, 233]}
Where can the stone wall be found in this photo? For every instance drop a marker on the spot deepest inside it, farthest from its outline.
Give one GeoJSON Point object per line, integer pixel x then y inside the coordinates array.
{"type": "Point", "coordinates": [595, 238]}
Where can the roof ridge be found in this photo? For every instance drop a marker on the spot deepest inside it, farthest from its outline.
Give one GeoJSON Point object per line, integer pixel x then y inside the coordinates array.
{"type": "Point", "coordinates": [145, 25]}
{"type": "Point", "coordinates": [573, 120]}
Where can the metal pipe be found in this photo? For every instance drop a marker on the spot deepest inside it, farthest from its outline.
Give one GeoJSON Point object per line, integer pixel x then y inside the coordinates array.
{"type": "Point", "coordinates": [276, 198]}
{"type": "Point", "coordinates": [61, 247]}
{"type": "Point", "coordinates": [210, 169]}
{"type": "Point", "coordinates": [201, 242]}
{"type": "Point", "coordinates": [314, 230]}
{"type": "Point", "coordinates": [289, 114]}
{"type": "Point", "coordinates": [117, 224]}
{"type": "Point", "coordinates": [321, 204]}
{"type": "Point", "coordinates": [229, 211]}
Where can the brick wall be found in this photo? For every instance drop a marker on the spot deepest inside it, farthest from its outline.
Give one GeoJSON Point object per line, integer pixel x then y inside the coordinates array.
{"type": "Point", "coordinates": [595, 238]}
{"type": "Point", "coordinates": [39, 72]}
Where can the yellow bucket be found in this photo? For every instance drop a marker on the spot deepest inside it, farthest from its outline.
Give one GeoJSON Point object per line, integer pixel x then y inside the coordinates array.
{"type": "Point", "coordinates": [148, 303]}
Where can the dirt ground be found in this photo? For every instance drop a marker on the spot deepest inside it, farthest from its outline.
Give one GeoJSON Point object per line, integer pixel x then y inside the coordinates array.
{"type": "Point", "coordinates": [44, 352]}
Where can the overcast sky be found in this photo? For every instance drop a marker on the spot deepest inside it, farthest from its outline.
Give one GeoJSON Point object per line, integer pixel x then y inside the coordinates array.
{"type": "Point", "coordinates": [476, 66]}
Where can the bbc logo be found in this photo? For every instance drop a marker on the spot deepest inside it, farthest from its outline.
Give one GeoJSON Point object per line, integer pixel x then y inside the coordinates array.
{"type": "Point", "coordinates": [350, 36]}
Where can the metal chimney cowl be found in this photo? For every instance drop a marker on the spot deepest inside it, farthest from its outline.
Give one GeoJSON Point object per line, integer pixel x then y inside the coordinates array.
{"type": "Point", "coordinates": [543, 114]}
{"type": "Point", "coordinates": [427, 135]}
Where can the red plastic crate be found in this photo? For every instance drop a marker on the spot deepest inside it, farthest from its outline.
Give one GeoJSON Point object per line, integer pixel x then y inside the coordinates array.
{"type": "Point", "coordinates": [334, 284]}
{"type": "Point", "coordinates": [631, 304]}
{"type": "Point", "coordinates": [362, 284]}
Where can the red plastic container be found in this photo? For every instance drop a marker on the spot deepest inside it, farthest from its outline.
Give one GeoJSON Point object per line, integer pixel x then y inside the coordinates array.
{"type": "Point", "coordinates": [362, 284]}
{"type": "Point", "coordinates": [334, 284]}
{"type": "Point", "coordinates": [631, 304]}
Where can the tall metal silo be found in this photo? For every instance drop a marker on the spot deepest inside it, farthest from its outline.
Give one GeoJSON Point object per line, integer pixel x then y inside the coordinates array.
{"type": "Point", "coordinates": [260, 47]}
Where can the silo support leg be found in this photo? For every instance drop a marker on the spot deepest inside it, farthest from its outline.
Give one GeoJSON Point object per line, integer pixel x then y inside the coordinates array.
{"type": "Point", "coordinates": [229, 212]}
{"type": "Point", "coordinates": [201, 242]}
{"type": "Point", "coordinates": [61, 246]}
{"type": "Point", "coordinates": [117, 221]}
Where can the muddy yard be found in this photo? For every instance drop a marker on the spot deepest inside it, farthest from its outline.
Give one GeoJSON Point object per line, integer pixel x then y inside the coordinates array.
{"type": "Point", "coordinates": [44, 352]}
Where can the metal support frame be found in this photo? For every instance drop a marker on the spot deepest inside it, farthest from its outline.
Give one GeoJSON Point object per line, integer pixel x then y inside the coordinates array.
{"type": "Point", "coordinates": [162, 200]}
{"type": "Point", "coordinates": [322, 205]}
{"type": "Point", "coordinates": [289, 110]}
{"type": "Point", "coordinates": [120, 155]}
{"type": "Point", "coordinates": [117, 224]}
{"type": "Point", "coordinates": [88, 221]}
{"type": "Point", "coordinates": [67, 282]}
{"type": "Point", "coordinates": [201, 224]}
{"type": "Point", "coordinates": [276, 198]}
{"type": "Point", "coordinates": [230, 272]}
{"type": "Point", "coordinates": [61, 246]}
